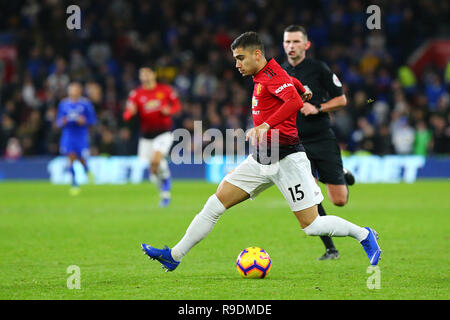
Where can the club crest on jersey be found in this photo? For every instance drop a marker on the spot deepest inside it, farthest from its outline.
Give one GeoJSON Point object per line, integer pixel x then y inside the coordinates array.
{"type": "Point", "coordinates": [258, 88]}
{"type": "Point", "coordinates": [159, 95]}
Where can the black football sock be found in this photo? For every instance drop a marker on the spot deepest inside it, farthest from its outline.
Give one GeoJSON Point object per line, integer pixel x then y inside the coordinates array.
{"type": "Point", "coordinates": [327, 241]}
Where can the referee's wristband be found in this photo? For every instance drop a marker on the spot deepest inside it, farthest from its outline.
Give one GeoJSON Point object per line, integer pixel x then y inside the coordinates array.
{"type": "Point", "coordinates": [318, 106]}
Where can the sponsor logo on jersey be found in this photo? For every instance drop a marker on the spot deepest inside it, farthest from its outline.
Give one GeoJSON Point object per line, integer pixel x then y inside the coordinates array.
{"type": "Point", "coordinates": [152, 104]}
{"type": "Point", "coordinates": [75, 111]}
{"type": "Point", "coordinates": [254, 102]}
{"type": "Point", "coordinates": [282, 87]}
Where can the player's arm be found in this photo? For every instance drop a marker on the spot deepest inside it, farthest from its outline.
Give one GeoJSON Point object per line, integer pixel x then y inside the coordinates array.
{"type": "Point", "coordinates": [61, 117]}
{"type": "Point", "coordinates": [292, 103]}
{"type": "Point", "coordinates": [305, 94]}
{"type": "Point", "coordinates": [131, 106]}
{"type": "Point", "coordinates": [91, 117]}
{"type": "Point", "coordinates": [298, 85]}
{"type": "Point", "coordinates": [174, 104]}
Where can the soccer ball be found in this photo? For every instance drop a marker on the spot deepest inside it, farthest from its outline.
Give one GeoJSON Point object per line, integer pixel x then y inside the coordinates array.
{"type": "Point", "coordinates": [253, 262]}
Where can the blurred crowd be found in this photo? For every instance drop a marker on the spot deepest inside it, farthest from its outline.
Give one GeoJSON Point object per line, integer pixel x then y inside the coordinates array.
{"type": "Point", "coordinates": [390, 109]}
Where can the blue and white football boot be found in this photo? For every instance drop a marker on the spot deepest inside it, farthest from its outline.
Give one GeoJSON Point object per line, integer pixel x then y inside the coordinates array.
{"type": "Point", "coordinates": [372, 247]}
{"type": "Point", "coordinates": [164, 202]}
{"type": "Point", "coordinates": [164, 256]}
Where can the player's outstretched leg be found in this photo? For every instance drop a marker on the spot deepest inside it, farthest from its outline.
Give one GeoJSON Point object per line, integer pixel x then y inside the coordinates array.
{"type": "Point", "coordinates": [199, 228]}
{"type": "Point", "coordinates": [339, 197]}
{"type": "Point", "coordinates": [201, 225]}
{"type": "Point", "coordinates": [333, 226]}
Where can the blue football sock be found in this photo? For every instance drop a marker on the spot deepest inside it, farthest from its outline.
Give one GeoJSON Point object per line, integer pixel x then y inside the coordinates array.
{"type": "Point", "coordinates": [86, 168]}
{"type": "Point", "coordinates": [72, 172]}
{"type": "Point", "coordinates": [165, 186]}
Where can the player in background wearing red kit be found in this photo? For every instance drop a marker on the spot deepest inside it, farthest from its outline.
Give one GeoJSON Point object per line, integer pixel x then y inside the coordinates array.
{"type": "Point", "coordinates": [275, 104]}
{"type": "Point", "coordinates": [154, 103]}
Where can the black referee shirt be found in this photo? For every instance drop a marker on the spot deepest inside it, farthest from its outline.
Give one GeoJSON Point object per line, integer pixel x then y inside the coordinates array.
{"type": "Point", "coordinates": [324, 85]}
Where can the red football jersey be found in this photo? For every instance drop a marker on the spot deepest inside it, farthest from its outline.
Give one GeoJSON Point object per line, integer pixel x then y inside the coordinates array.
{"type": "Point", "coordinates": [274, 88]}
{"type": "Point", "coordinates": [150, 103]}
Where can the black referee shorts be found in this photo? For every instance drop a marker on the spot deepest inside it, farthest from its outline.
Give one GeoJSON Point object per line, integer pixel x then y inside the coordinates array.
{"type": "Point", "coordinates": [326, 161]}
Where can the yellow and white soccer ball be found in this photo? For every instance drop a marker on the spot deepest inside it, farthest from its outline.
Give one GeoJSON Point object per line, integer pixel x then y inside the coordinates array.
{"type": "Point", "coordinates": [253, 263]}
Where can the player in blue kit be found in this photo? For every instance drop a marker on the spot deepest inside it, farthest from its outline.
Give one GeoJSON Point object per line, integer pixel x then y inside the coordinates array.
{"type": "Point", "coordinates": [75, 115]}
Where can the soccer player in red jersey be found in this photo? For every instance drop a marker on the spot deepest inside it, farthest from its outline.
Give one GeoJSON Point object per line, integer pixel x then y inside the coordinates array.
{"type": "Point", "coordinates": [275, 104]}
{"type": "Point", "coordinates": [154, 103]}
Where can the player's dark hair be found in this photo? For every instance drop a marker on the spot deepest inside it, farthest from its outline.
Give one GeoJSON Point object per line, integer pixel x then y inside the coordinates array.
{"type": "Point", "coordinates": [296, 28]}
{"type": "Point", "coordinates": [247, 40]}
{"type": "Point", "coordinates": [76, 82]}
{"type": "Point", "coordinates": [148, 64]}
{"type": "Point", "coordinates": [147, 67]}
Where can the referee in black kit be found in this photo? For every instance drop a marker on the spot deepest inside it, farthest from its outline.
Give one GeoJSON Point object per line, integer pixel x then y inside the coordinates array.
{"type": "Point", "coordinates": [313, 121]}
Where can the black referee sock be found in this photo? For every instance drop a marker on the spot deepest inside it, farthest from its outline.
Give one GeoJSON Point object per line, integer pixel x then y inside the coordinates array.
{"type": "Point", "coordinates": [327, 241]}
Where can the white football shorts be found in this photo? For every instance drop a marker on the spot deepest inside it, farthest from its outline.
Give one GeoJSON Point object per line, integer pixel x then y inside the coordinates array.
{"type": "Point", "coordinates": [161, 143]}
{"type": "Point", "coordinates": [292, 175]}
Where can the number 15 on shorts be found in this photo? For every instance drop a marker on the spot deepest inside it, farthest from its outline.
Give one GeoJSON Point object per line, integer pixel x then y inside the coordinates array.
{"type": "Point", "coordinates": [296, 193]}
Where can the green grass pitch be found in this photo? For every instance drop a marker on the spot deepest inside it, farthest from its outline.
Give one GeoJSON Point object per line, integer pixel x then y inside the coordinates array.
{"type": "Point", "coordinates": [43, 230]}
